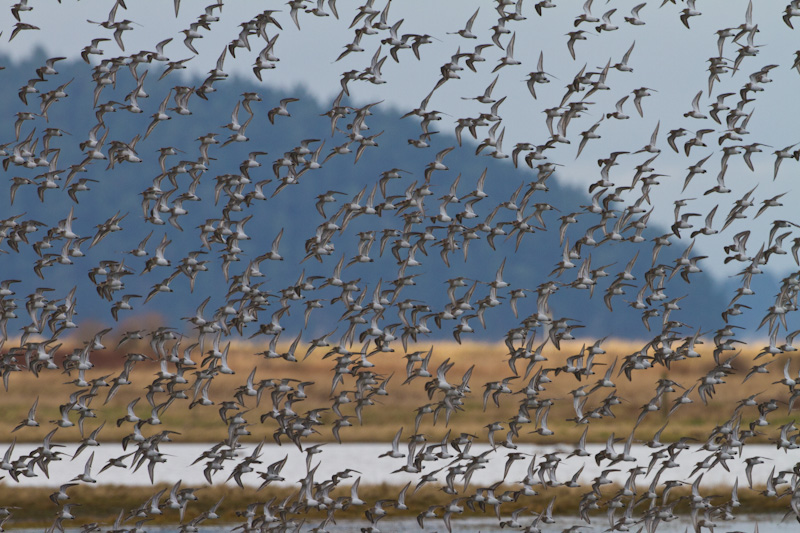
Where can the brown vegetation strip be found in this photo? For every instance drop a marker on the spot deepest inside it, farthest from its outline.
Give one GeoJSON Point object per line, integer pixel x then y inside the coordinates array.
{"type": "Point", "coordinates": [381, 421]}
{"type": "Point", "coordinates": [32, 507]}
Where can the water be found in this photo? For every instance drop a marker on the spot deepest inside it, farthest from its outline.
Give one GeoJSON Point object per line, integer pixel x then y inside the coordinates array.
{"type": "Point", "coordinates": [364, 457]}
{"type": "Point", "coordinates": [744, 524]}
{"type": "Point", "coordinates": [374, 470]}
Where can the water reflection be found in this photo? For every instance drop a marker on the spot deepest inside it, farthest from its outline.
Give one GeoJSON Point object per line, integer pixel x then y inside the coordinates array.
{"type": "Point", "coordinates": [743, 524]}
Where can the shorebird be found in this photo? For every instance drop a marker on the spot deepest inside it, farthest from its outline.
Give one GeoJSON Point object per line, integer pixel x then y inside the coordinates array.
{"type": "Point", "coordinates": [360, 300]}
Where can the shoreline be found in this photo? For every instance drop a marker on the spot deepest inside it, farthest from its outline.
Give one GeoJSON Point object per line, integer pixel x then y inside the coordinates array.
{"type": "Point", "coordinates": [107, 501]}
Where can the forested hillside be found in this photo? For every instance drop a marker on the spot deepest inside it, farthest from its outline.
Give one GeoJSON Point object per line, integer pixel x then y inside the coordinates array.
{"type": "Point", "coordinates": [121, 191]}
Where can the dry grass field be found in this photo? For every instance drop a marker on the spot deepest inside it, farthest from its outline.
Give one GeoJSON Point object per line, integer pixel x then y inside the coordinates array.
{"type": "Point", "coordinates": [381, 421]}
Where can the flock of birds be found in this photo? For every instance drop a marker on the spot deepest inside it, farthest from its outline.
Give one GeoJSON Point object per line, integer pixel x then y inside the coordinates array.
{"type": "Point", "coordinates": [619, 211]}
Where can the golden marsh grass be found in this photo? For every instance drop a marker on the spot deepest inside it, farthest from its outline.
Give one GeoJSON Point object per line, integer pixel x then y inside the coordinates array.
{"type": "Point", "coordinates": [381, 421]}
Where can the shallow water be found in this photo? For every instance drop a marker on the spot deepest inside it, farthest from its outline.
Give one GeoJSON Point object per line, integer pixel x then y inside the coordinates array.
{"type": "Point", "coordinates": [766, 524]}
{"type": "Point", "coordinates": [374, 470]}
{"type": "Point", "coordinates": [744, 524]}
